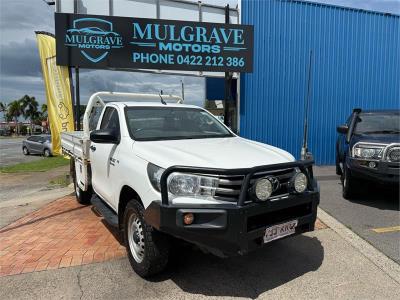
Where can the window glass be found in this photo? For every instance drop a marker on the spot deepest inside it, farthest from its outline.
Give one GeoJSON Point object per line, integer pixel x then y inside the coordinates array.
{"type": "Point", "coordinates": [93, 7]}
{"type": "Point", "coordinates": [378, 123]}
{"type": "Point", "coordinates": [167, 123]}
{"type": "Point", "coordinates": [134, 8]}
{"type": "Point", "coordinates": [110, 119]}
{"type": "Point", "coordinates": [94, 117]}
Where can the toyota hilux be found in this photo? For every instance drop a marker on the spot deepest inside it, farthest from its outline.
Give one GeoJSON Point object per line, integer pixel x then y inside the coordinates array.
{"type": "Point", "coordinates": [160, 170]}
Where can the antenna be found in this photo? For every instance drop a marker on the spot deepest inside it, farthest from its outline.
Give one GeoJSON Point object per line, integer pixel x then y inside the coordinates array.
{"type": "Point", "coordinates": [304, 148]}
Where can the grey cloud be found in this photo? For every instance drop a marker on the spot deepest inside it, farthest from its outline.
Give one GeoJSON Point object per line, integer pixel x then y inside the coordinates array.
{"type": "Point", "coordinates": [20, 58]}
{"type": "Point", "coordinates": [27, 14]}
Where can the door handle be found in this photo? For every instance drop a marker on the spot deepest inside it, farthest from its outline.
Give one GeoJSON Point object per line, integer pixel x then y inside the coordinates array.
{"type": "Point", "coordinates": [93, 148]}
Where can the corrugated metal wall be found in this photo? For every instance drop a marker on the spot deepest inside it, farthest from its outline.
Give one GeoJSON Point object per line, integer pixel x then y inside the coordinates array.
{"type": "Point", "coordinates": [356, 63]}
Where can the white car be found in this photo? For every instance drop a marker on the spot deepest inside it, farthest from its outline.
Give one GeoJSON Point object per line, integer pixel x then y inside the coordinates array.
{"type": "Point", "coordinates": [157, 169]}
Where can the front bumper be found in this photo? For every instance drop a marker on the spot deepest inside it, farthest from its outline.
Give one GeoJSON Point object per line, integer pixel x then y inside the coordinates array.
{"type": "Point", "coordinates": [384, 172]}
{"type": "Point", "coordinates": [234, 229]}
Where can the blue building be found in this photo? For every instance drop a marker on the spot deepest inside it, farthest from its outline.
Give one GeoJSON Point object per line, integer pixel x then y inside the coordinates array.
{"type": "Point", "coordinates": [355, 63]}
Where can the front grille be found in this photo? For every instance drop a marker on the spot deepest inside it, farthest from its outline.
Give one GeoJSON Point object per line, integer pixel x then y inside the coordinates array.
{"type": "Point", "coordinates": [393, 154]}
{"type": "Point", "coordinates": [229, 186]}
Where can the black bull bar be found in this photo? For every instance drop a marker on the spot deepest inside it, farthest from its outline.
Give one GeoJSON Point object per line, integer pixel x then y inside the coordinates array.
{"type": "Point", "coordinates": [305, 166]}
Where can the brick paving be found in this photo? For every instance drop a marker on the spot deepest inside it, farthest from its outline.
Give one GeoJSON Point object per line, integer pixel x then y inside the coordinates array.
{"type": "Point", "coordinates": [61, 234]}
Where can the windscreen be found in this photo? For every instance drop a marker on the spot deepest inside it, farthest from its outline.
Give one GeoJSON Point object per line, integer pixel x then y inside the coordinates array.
{"type": "Point", "coordinates": [378, 123]}
{"type": "Point", "coordinates": [168, 123]}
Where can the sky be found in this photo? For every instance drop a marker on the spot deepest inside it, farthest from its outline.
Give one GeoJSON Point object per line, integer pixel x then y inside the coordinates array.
{"type": "Point", "coordinates": [20, 71]}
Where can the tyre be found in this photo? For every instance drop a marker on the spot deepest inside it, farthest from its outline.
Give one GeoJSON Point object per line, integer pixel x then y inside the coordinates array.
{"type": "Point", "coordinates": [337, 161]}
{"type": "Point", "coordinates": [46, 153]}
{"type": "Point", "coordinates": [83, 197]}
{"type": "Point", "coordinates": [349, 184]}
{"type": "Point", "coordinates": [147, 248]}
{"type": "Point", "coordinates": [338, 168]}
{"type": "Point", "coordinates": [25, 150]}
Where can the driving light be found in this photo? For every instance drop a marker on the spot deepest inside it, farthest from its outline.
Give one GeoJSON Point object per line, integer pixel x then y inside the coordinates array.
{"type": "Point", "coordinates": [263, 189]}
{"type": "Point", "coordinates": [300, 182]}
{"type": "Point", "coordinates": [190, 185]}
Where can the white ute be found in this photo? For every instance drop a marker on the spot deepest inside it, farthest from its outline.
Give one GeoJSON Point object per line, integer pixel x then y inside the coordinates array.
{"type": "Point", "coordinates": [160, 170]}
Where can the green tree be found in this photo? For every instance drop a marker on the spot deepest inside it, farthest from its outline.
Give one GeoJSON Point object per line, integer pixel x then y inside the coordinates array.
{"type": "Point", "coordinates": [3, 109]}
{"type": "Point", "coordinates": [44, 108]}
{"type": "Point", "coordinates": [30, 109]}
{"type": "Point", "coordinates": [15, 109]}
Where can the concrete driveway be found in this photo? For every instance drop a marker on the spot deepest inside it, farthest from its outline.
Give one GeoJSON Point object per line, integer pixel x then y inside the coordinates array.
{"type": "Point", "coordinates": [318, 265]}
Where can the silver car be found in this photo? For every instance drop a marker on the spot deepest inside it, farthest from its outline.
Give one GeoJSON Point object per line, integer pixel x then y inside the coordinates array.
{"type": "Point", "coordinates": [37, 144]}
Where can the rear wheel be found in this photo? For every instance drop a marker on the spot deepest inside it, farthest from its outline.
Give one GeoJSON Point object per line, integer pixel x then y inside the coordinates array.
{"type": "Point", "coordinates": [147, 248]}
{"type": "Point", "coordinates": [25, 150]}
{"type": "Point", "coordinates": [83, 197]}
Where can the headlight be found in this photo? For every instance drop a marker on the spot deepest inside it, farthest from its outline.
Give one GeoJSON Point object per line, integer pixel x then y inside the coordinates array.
{"type": "Point", "coordinates": [190, 185]}
{"type": "Point", "coordinates": [263, 189]}
{"type": "Point", "coordinates": [368, 151]}
{"type": "Point", "coordinates": [154, 172]}
{"type": "Point", "coordinates": [300, 182]}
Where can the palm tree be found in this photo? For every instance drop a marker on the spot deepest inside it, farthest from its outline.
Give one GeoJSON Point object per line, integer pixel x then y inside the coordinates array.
{"type": "Point", "coordinates": [3, 109]}
{"type": "Point", "coordinates": [44, 108]}
{"type": "Point", "coordinates": [15, 109]}
{"type": "Point", "coordinates": [30, 109]}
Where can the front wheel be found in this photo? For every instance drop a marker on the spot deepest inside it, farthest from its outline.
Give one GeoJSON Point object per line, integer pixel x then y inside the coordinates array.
{"type": "Point", "coordinates": [147, 248]}
{"type": "Point", "coordinates": [46, 153]}
{"type": "Point", "coordinates": [25, 151]}
{"type": "Point", "coordinates": [349, 184]}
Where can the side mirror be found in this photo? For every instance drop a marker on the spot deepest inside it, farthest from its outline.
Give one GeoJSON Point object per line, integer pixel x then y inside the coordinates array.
{"type": "Point", "coordinates": [343, 129]}
{"type": "Point", "coordinates": [105, 136]}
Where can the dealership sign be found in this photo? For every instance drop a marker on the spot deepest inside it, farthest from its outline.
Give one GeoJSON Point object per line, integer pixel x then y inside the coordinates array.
{"type": "Point", "coordinates": [91, 41]}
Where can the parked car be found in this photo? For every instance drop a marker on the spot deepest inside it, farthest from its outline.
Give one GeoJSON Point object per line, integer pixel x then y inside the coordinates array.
{"type": "Point", "coordinates": [368, 150]}
{"type": "Point", "coordinates": [4, 132]}
{"type": "Point", "coordinates": [156, 170]}
{"type": "Point", "coordinates": [37, 144]}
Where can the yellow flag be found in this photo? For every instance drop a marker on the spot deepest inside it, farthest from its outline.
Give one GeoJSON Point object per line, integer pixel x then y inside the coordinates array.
{"type": "Point", "coordinates": [58, 90]}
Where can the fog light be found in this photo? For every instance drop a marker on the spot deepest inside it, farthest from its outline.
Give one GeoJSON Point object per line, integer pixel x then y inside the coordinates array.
{"type": "Point", "coordinates": [188, 218]}
{"type": "Point", "coordinates": [372, 164]}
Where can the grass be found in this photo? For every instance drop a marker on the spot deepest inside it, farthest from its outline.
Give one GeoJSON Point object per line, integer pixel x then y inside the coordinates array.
{"type": "Point", "coordinates": [41, 165]}
{"type": "Point", "coordinates": [62, 180]}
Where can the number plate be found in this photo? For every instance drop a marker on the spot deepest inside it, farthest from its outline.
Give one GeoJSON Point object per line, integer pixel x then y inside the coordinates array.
{"type": "Point", "coordinates": [278, 231]}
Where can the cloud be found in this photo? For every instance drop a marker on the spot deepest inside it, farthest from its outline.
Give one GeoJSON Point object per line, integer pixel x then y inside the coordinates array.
{"type": "Point", "coordinates": [20, 58]}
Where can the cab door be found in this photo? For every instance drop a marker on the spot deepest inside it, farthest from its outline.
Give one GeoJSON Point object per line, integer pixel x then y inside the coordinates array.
{"type": "Point", "coordinates": [102, 158]}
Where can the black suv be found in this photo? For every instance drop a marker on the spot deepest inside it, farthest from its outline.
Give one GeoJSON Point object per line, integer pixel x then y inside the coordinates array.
{"type": "Point", "coordinates": [368, 148]}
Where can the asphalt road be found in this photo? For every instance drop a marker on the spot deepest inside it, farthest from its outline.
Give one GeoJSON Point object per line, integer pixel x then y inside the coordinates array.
{"type": "Point", "coordinates": [11, 152]}
{"type": "Point", "coordinates": [376, 207]}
